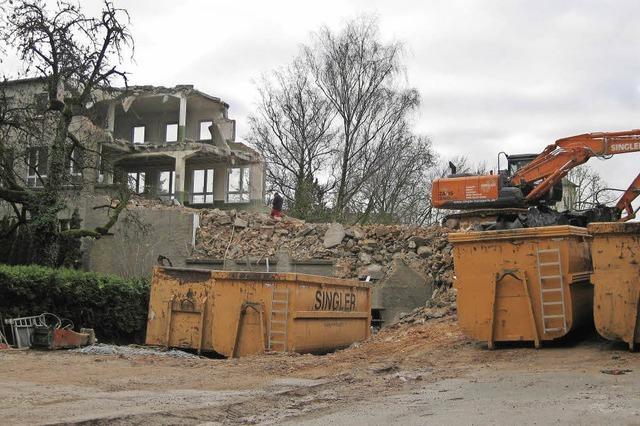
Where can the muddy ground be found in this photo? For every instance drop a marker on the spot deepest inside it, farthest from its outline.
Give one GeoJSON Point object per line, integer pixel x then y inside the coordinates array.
{"type": "Point", "coordinates": [420, 374]}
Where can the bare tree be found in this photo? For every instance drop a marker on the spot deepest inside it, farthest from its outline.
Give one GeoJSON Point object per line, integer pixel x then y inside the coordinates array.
{"type": "Point", "coordinates": [77, 56]}
{"type": "Point", "coordinates": [292, 130]}
{"type": "Point", "coordinates": [397, 191]}
{"type": "Point", "coordinates": [586, 188]}
{"type": "Point", "coordinates": [359, 74]}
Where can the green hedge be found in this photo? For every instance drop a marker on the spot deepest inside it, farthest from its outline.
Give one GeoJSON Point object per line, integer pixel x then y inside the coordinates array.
{"type": "Point", "coordinates": [115, 307]}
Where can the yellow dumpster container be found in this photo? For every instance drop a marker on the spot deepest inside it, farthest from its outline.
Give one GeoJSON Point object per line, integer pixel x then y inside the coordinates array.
{"type": "Point", "coordinates": [616, 280]}
{"type": "Point", "coordinates": [241, 313]}
{"type": "Point", "coordinates": [527, 284]}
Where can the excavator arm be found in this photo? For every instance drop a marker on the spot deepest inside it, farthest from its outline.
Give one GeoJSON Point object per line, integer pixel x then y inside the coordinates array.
{"type": "Point", "coordinates": [558, 159]}
{"type": "Point", "coordinates": [624, 204]}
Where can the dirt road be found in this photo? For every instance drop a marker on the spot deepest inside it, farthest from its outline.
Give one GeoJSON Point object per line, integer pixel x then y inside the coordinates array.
{"type": "Point", "coordinates": [419, 374]}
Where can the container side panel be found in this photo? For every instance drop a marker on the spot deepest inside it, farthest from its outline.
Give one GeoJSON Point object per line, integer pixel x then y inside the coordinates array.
{"type": "Point", "coordinates": [251, 334]}
{"type": "Point", "coordinates": [329, 317]}
{"type": "Point", "coordinates": [230, 296]}
{"type": "Point", "coordinates": [178, 304]}
{"type": "Point", "coordinates": [616, 280]}
{"type": "Point", "coordinates": [480, 259]}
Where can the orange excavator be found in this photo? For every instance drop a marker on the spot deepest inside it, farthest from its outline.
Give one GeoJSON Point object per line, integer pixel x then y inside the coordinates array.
{"type": "Point", "coordinates": [524, 194]}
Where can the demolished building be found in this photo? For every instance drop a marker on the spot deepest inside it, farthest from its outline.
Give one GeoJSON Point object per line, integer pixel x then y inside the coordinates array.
{"type": "Point", "coordinates": [175, 145]}
{"type": "Point", "coordinates": [179, 144]}
{"type": "Point", "coordinates": [166, 143]}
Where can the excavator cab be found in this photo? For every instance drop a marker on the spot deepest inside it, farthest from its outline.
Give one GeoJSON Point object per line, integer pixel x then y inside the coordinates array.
{"type": "Point", "coordinates": [516, 162]}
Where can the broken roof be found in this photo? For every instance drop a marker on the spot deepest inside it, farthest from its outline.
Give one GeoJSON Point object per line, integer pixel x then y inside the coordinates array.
{"type": "Point", "coordinates": [180, 89]}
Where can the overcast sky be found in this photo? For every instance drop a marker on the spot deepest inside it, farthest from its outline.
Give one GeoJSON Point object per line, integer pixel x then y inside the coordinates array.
{"type": "Point", "coordinates": [493, 75]}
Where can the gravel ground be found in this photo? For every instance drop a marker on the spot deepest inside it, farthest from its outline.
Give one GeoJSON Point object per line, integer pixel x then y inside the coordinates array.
{"type": "Point", "coordinates": [416, 374]}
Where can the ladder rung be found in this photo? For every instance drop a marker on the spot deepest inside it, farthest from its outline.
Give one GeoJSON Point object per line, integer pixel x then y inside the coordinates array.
{"type": "Point", "coordinates": [548, 277]}
{"type": "Point", "coordinates": [279, 301]}
{"type": "Point", "coordinates": [549, 251]}
{"type": "Point", "coordinates": [277, 341]}
{"type": "Point", "coordinates": [279, 292]}
{"type": "Point", "coordinates": [553, 316]}
{"type": "Point", "coordinates": [278, 332]}
{"type": "Point", "coordinates": [278, 311]}
{"type": "Point", "coordinates": [552, 329]}
{"type": "Point", "coordinates": [278, 322]}
{"type": "Point", "coordinates": [549, 263]}
{"type": "Point", "coordinates": [547, 303]}
{"type": "Point", "coordinates": [548, 290]}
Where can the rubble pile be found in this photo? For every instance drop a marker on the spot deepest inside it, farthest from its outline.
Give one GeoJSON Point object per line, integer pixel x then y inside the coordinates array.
{"type": "Point", "coordinates": [132, 350]}
{"type": "Point", "coordinates": [441, 304]}
{"type": "Point", "coordinates": [358, 251]}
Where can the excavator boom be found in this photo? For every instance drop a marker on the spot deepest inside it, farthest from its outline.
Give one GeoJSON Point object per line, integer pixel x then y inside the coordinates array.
{"type": "Point", "coordinates": [559, 158]}
{"type": "Point", "coordinates": [624, 204]}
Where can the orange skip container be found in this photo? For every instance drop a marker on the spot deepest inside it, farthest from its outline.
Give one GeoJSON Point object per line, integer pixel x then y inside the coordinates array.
{"type": "Point", "coordinates": [528, 284]}
{"type": "Point", "coordinates": [242, 313]}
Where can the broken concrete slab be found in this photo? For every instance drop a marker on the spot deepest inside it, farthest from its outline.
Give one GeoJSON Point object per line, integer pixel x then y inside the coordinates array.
{"type": "Point", "coordinates": [240, 223]}
{"type": "Point", "coordinates": [402, 290]}
{"type": "Point", "coordinates": [334, 235]}
{"type": "Point", "coordinates": [374, 271]}
{"type": "Point", "coordinates": [425, 251]}
{"type": "Point", "coordinates": [365, 258]}
{"type": "Point", "coordinates": [358, 233]}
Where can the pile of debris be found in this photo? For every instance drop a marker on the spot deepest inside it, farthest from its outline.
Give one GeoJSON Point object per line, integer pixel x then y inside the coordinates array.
{"type": "Point", "coordinates": [441, 304]}
{"type": "Point", "coordinates": [358, 251]}
{"type": "Point", "coordinates": [132, 350]}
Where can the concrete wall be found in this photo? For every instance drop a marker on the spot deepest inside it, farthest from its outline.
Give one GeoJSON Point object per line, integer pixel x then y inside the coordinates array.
{"type": "Point", "coordinates": [155, 119]}
{"type": "Point", "coordinates": [155, 124]}
{"type": "Point", "coordinates": [279, 264]}
{"type": "Point", "coordinates": [133, 250]}
{"type": "Point", "coordinates": [401, 291]}
{"type": "Point", "coordinates": [196, 115]}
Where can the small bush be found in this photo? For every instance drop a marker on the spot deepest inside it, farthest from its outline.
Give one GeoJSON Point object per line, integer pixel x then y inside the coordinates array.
{"type": "Point", "coordinates": [115, 307]}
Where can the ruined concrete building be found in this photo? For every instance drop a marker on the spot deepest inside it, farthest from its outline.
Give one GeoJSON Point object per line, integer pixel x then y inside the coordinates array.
{"type": "Point", "coordinates": [169, 143]}
{"type": "Point", "coordinates": [176, 144]}
{"type": "Point", "coordinates": [179, 143]}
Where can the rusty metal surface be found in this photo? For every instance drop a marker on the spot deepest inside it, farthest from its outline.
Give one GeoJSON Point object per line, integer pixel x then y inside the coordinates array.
{"type": "Point", "coordinates": [614, 228]}
{"type": "Point", "coordinates": [240, 313]}
{"type": "Point", "coordinates": [519, 234]}
{"type": "Point", "coordinates": [501, 311]}
{"type": "Point", "coordinates": [616, 280]}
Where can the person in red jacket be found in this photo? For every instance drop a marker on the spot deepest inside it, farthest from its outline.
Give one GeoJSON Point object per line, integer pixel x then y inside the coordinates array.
{"type": "Point", "coordinates": [276, 210]}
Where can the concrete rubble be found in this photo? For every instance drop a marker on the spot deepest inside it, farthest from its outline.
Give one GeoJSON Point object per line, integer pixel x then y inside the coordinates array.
{"type": "Point", "coordinates": [442, 303]}
{"type": "Point", "coordinates": [358, 251]}
{"type": "Point", "coordinates": [132, 350]}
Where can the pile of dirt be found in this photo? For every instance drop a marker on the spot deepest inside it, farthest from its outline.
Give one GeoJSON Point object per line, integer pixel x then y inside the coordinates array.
{"type": "Point", "coordinates": [358, 251]}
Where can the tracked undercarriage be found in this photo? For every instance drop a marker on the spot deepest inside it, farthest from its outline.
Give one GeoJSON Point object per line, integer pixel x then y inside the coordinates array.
{"type": "Point", "coordinates": [513, 218]}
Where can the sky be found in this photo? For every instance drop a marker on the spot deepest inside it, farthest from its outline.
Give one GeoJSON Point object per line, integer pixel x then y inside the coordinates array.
{"type": "Point", "coordinates": [512, 75]}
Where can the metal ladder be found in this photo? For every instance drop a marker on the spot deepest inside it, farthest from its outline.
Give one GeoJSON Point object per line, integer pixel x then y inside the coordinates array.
{"type": "Point", "coordinates": [278, 320]}
{"type": "Point", "coordinates": [551, 283]}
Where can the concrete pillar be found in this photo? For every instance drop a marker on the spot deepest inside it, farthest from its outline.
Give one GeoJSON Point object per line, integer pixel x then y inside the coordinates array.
{"type": "Point", "coordinates": [182, 119]}
{"type": "Point", "coordinates": [111, 117]}
{"type": "Point", "coordinates": [256, 182]}
{"type": "Point", "coordinates": [180, 177]}
{"type": "Point", "coordinates": [219, 182]}
{"type": "Point", "coordinates": [108, 177]}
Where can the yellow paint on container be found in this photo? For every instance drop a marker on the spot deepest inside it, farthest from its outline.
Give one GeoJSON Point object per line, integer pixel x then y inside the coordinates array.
{"type": "Point", "coordinates": [616, 280]}
{"type": "Point", "coordinates": [242, 313]}
{"type": "Point", "coordinates": [527, 284]}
